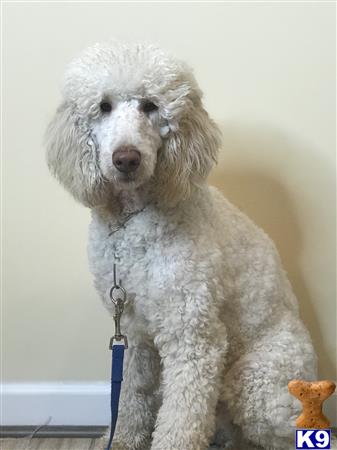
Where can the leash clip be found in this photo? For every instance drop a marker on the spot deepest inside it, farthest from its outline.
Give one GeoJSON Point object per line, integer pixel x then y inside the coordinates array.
{"type": "Point", "coordinates": [118, 298]}
{"type": "Point", "coordinates": [121, 337]}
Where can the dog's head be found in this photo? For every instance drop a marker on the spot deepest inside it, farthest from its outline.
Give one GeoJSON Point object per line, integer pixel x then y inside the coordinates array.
{"type": "Point", "coordinates": [130, 116]}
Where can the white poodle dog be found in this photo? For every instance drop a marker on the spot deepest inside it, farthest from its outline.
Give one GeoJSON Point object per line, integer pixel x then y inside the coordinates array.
{"type": "Point", "coordinates": [213, 325]}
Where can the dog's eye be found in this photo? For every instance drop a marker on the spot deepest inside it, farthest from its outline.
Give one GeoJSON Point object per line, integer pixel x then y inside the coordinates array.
{"type": "Point", "coordinates": [148, 107]}
{"type": "Point", "coordinates": [106, 107]}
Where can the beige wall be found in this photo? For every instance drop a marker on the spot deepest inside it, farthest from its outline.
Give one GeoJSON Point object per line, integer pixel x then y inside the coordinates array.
{"type": "Point", "coordinates": [267, 71]}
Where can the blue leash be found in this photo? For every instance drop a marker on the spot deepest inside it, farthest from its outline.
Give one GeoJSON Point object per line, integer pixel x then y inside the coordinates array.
{"type": "Point", "coordinates": [116, 384]}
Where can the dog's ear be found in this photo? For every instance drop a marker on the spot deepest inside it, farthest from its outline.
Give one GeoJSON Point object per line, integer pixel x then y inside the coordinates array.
{"type": "Point", "coordinates": [72, 156]}
{"type": "Point", "coordinates": [189, 152]}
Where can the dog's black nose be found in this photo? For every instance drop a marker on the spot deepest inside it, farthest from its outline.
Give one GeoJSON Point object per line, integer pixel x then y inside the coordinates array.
{"type": "Point", "coordinates": [126, 159]}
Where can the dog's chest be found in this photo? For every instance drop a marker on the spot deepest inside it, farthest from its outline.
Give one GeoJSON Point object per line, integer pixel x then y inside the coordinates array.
{"type": "Point", "coordinates": [132, 249]}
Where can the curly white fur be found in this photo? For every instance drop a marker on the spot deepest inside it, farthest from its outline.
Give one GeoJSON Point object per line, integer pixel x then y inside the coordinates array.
{"type": "Point", "coordinates": [212, 322]}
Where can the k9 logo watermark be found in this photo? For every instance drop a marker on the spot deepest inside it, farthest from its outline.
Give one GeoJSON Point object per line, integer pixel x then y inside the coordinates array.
{"type": "Point", "coordinates": [314, 439]}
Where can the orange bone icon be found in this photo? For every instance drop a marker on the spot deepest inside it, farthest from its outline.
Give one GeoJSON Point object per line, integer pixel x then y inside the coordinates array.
{"type": "Point", "coordinates": [312, 395]}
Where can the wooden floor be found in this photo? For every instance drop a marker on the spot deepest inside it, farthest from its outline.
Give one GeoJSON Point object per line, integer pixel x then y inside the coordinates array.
{"type": "Point", "coordinates": [49, 444]}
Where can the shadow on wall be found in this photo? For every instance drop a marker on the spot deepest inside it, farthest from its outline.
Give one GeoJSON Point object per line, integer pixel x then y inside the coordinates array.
{"type": "Point", "coordinates": [251, 168]}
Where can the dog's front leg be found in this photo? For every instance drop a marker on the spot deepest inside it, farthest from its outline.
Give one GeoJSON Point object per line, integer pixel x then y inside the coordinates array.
{"type": "Point", "coordinates": [192, 349]}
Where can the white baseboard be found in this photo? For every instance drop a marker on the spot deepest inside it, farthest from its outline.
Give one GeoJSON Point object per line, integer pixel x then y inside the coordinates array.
{"type": "Point", "coordinates": [72, 404]}
{"type": "Point", "coordinates": [66, 404]}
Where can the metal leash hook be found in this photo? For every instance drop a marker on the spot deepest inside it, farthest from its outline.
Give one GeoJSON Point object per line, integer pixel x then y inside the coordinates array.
{"type": "Point", "coordinates": [118, 298]}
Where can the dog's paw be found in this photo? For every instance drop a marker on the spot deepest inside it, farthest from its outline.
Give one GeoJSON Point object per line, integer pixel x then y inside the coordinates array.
{"type": "Point", "coordinates": [282, 415]}
{"type": "Point", "coordinates": [118, 444]}
{"type": "Point", "coordinates": [102, 443]}
{"type": "Point", "coordinates": [226, 447]}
